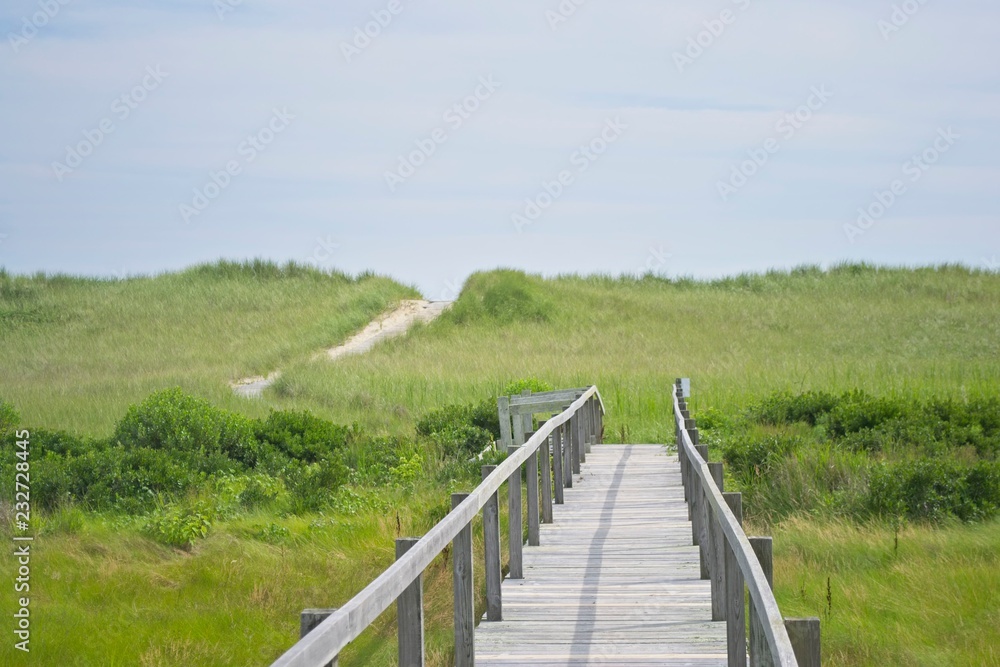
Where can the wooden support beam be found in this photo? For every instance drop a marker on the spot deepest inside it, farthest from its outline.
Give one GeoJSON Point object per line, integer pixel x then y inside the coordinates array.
{"type": "Point", "coordinates": [491, 549]}
{"type": "Point", "coordinates": [558, 478]}
{"type": "Point", "coordinates": [503, 410]}
{"type": "Point", "coordinates": [736, 631]}
{"type": "Point", "coordinates": [576, 426]}
{"type": "Point", "coordinates": [309, 619]}
{"type": "Point", "coordinates": [465, 604]}
{"type": "Point", "coordinates": [716, 551]}
{"type": "Point", "coordinates": [546, 481]}
{"type": "Point", "coordinates": [410, 614]}
{"type": "Point", "coordinates": [515, 527]}
{"type": "Point", "coordinates": [531, 476]}
{"type": "Point", "coordinates": [704, 516]}
{"type": "Point", "coordinates": [760, 653]}
{"type": "Point", "coordinates": [805, 637]}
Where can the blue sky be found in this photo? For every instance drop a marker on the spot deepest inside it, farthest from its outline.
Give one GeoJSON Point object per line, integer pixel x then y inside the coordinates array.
{"type": "Point", "coordinates": [687, 138]}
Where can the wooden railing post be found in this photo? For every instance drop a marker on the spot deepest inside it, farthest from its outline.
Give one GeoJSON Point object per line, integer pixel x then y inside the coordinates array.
{"type": "Point", "coordinates": [760, 652]}
{"type": "Point", "coordinates": [526, 419]}
{"type": "Point", "coordinates": [531, 476]}
{"type": "Point", "coordinates": [461, 550]}
{"type": "Point", "coordinates": [568, 454]}
{"type": "Point", "coordinates": [736, 632]}
{"type": "Point", "coordinates": [515, 529]}
{"type": "Point", "coordinates": [692, 476]}
{"type": "Point", "coordinates": [704, 516]}
{"type": "Point", "coordinates": [716, 545]}
{"type": "Point", "coordinates": [491, 549]}
{"type": "Point", "coordinates": [546, 499]}
{"type": "Point", "coordinates": [576, 426]}
{"type": "Point", "coordinates": [558, 478]}
{"type": "Point", "coordinates": [804, 635]}
{"type": "Point", "coordinates": [309, 619]}
{"type": "Point", "coordinates": [503, 408]}
{"type": "Point", "coordinates": [410, 614]}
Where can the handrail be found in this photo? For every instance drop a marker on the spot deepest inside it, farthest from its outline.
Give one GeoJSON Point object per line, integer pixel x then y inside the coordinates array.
{"type": "Point", "coordinates": [775, 633]}
{"type": "Point", "coordinates": [328, 639]}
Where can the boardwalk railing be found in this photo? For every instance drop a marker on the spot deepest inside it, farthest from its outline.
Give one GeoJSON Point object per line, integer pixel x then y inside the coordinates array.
{"type": "Point", "coordinates": [578, 425]}
{"type": "Point", "coordinates": [732, 561]}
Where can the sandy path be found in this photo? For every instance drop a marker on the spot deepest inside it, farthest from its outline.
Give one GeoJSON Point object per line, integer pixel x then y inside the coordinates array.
{"type": "Point", "coordinates": [386, 326]}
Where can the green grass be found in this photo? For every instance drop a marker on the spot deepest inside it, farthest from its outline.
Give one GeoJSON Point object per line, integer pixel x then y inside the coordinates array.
{"type": "Point", "coordinates": [932, 601]}
{"type": "Point", "coordinates": [919, 332]}
{"type": "Point", "coordinates": [77, 352]}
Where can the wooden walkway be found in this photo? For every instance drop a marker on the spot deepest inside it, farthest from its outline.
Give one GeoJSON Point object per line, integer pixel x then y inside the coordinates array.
{"type": "Point", "coordinates": [616, 580]}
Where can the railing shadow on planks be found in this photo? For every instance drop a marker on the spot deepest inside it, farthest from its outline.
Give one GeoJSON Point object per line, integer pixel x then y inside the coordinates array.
{"type": "Point", "coordinates": [570, 433]}
{"type": "Point", "coordinates": [735, 563]}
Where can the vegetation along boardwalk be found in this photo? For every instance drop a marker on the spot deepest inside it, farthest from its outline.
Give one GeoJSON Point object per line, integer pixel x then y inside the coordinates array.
{"type": "Point", "coordinates": [633, 557]}
{"type": "Point", "coordinates": [616, 580]}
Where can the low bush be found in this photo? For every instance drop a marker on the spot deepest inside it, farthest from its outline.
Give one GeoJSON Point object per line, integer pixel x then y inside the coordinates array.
{"type": "Point", "coordinates": [935, 489]}
{"type": "Point", "coordinates": [173, 421]}
{"type": "Point", "coordinates": [301, 435]}
{"type": "Point", "coordinates": [180, 526]}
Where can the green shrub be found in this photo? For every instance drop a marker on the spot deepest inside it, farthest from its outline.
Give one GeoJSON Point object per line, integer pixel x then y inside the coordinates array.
{"type": "Point", "coordinates": [311, 486]}
{"type": "Point", "coordinates": [749, 457]}
{"type": "Point", "coordinates": [61, 443]}
{"type": "Point", "coordinates": [301, 435]}
{"type": "Point", "coordinates": [119, 478]}
{"type": "Point", "coordinates": [179, 526]}
{"type": "Point", "coordinates": [173, 421]}
{"type": "Point", "coordinates": [408, 471]}
{"type": "Point", "coordinates": [785, 408]}
{"type": "Point", "coordinates": [857, 411]}
{"type": "Point", "coordinates": [517, 386]}
{"type": "Point", "coordinates": [463, 441]}
{"type": "Point", "coordinates": [232, 492]}
{"type": "Point", "coordinates": [8, 417]}
{"type": "Point", "coordinates": [935, 489]}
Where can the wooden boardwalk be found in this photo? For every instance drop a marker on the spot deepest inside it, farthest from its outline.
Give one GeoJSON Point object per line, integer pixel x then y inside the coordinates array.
{"type": "Point", "coordinates": [616, 580]}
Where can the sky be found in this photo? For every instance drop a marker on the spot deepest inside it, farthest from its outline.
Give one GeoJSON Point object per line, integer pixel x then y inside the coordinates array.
{"type": "Point", "coordinates": [427, 140]}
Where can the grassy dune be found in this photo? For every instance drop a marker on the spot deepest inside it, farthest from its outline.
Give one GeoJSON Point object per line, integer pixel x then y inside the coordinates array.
{"type": "Point", "coordinates": [77, 352]}
{"type": "Point", "coordinates": [923, 333]}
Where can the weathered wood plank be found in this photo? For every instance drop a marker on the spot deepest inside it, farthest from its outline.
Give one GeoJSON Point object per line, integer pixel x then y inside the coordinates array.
{"type": "Point", "coordinates": [546, 481]}
{"type": "Point", "coordinates": [491, 549]}
{"type": "Point", "coordinates": [410, 615]}
{"type": "Point", "coordinates": [465, 604]}
{"type": "Point", "coordinates": [616, 580]}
